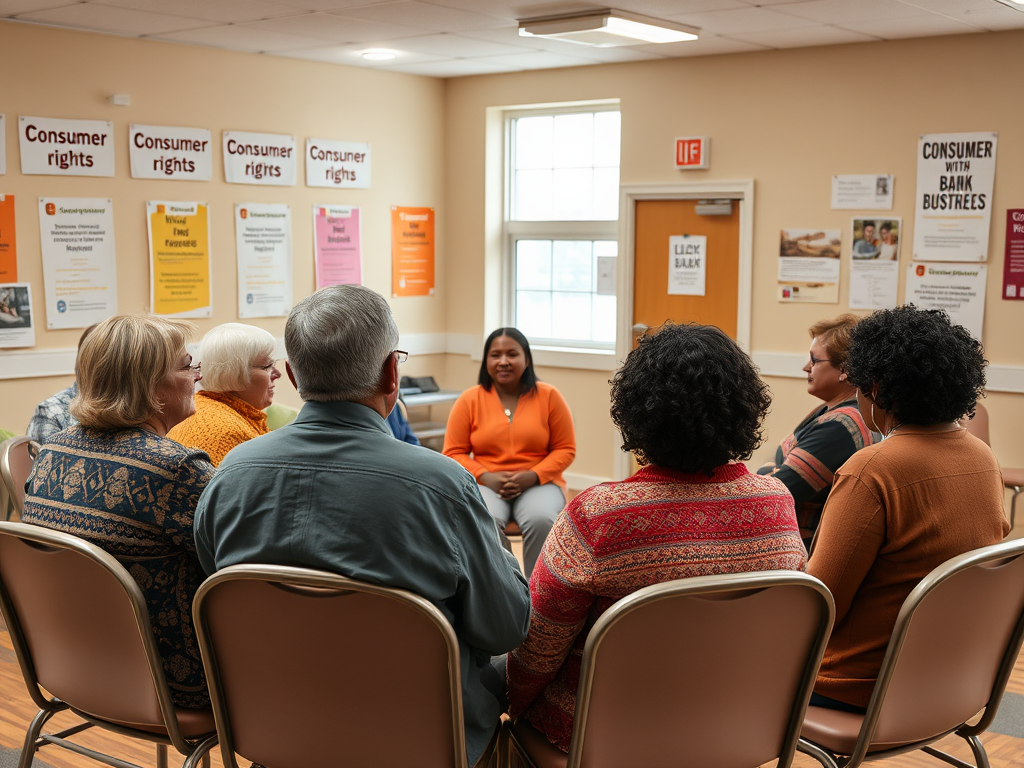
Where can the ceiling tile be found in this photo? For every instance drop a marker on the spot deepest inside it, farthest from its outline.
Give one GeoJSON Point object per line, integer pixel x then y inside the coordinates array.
{"type": "Point", "coordinates": [708, 45]}
{"type": "Point", "coordinates": [996, 19]}
{"type": "Point", "coordinates": [539, 60]}
{"type": "Point", "coordinates": [120, 21]}
{"type": "Point", "coordinates": [350, 56]}
{"type": "Point", "coordinates": [339, 29]}
{"type": "Point", "coordinates": [625, 53]}
{"type": "Point", "coordinates": [919, 26]}
{"type": "Point", "coordinates": [949, 7]}
{"type": "Point", "coordinates": [238, 37]}
{"type": "Point", "coordinates": [839, 12]}
{"type": "Point", "coordinates": [223, 11]}
{"type": "Point", "coordinates": [324, 5]}
{"type": "Point", "coordinates": [433, 18]}
{"type": "Point", "coordinates": [455, 68]}
{"type": "Point", "coordinates": [738, 22]}
{"type": "Point", "coordinates": [804, 38]}
{"type": "Point", "coordinates": [457, 46]}
{"type": "Point", "coordinates": [13, 7]}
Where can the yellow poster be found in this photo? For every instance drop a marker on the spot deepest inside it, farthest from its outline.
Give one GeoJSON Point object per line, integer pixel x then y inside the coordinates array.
{"type": "Point", "coordinates": [179, 259]}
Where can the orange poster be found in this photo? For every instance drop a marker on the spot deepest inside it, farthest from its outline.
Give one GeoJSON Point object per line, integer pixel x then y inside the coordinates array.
{"type": "Point", "coordinates": [412, 251]}
{"type": "Point", "coordinates": [8, 245]}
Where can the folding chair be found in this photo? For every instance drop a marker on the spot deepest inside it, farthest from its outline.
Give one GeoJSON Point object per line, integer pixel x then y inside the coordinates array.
{"type": "Point", "coordinates": [309, 669]}
{"type": "Point", "coordinates": [952, 650]}
{"type": "Point", "coordinates": [81, 631]}
{"type": "Point", "coordinates": [712, 671]}
{"type": "Point", "coordinates": [17, 455]}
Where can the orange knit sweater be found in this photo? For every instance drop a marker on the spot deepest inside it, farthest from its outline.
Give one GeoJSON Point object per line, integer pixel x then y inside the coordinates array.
{"type": "Point", "coordinates": [221, 422]}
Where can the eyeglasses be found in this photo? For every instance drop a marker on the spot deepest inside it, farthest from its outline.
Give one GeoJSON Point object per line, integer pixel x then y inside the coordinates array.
{"type": "Point", "coordinates": [816, 360]}
{"type": "Point", "coordinates": [197, 368]}
{"type": "Point", "coordinates": [266, 368]}
{"type": "Point", "coordinates": [400, 355]}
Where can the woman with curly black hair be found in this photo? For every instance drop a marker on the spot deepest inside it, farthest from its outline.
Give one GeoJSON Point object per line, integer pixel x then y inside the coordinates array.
{"type": "Point", "coordinates": [690, 406]}
{"type": "Point", "coordinates": [927, 492]}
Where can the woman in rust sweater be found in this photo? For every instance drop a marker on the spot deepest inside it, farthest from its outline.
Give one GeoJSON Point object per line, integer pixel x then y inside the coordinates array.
{"type": "Point", "coordinates": [515, 436]}
{"type": "Point", "coordinates": [927, 492]}
{"type": "Point", "coordinates": [239, 372]}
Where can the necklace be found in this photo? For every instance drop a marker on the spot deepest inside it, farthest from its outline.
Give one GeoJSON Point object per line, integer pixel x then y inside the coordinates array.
{"type": "Point", "coordinates": [508, 415]}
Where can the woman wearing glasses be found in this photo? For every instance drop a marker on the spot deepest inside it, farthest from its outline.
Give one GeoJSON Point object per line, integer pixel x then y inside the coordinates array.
{"type": "Point", "coordinates": [116, 480]}
{"type": "Point", "coordinates": [239, 373]}
{"type": "Point", "coordinates": [806, 461]}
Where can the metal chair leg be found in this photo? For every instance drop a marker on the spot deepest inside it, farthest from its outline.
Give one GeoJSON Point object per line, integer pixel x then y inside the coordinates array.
{"type": "Point", "coordinates": [201, 754]}
{"type": "Point", "coordinates": [813, 750]}
{"type": "Point", "coordinates": [35, 728]}
{"type": "Point", "coordinates": [161, 756]}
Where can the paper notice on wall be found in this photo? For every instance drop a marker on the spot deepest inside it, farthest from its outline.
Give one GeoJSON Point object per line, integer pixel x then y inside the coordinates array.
{"type": "Point", "coordinates": [338, 245]}
{"type": "Point", "coordinates": [180, 271]}
{"type": "Point", "coordinates": [338, 164]}
{"type": "Point", "coordinates": [1013, 266]}
{"type": "Point", "coordinates": [8, 241]}
{"type": "Point", "coordinates": [809, 266]}
{"type": "Point", "coordinates": [606, 275]}
{"type": "Point", "coordinates": [259, 158]}
{"type": "Point", "coordinates": [52, 147]}
{"type": "Point", "coordinates": [959, 289]}
{"type": "Point", "coordinates": [79, 265]}
{"type": "Point", "coordinates": [873, 284]}
{"type": "Point", "coordinates": [168, 152]}
{"type": "Point", "coordinates": [866, 192]}
{"type": "Point", "coordinates": [16, 326]}
{"type": "Point", "coordinates": [263, 237]}
{"type": "Point", "coordinates": [412, 251]}
{"type": "Point", "coordinates": [955, 175]}
{"type": "Point", "coordinates": [3, 144]}
{"type": "Point", "coordinates": [687, 264]}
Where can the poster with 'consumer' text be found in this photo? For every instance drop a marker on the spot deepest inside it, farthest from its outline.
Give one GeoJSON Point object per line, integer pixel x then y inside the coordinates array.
{"type": "Point", "coordinates": [79, 267]}
{"type": "Point", "coordinates": [263, 238]}
{"type": "Point", "coordinates": [180, 271]}
{"type": "Point", "coordinates": [955, 175]}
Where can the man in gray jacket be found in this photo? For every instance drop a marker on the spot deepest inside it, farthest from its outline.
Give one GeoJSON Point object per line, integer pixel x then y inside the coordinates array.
{"type": "Point", "coordinates": [334, 490]}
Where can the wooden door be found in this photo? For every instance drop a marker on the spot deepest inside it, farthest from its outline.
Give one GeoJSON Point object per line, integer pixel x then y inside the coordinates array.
{"type": "Point", "coordinates": [655, 222]}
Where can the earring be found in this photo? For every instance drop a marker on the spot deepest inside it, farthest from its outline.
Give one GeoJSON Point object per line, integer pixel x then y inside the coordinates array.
{"type": "Point", "coordinates": [842, 377]}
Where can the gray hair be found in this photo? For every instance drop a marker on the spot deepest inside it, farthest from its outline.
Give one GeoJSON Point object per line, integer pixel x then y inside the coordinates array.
{"type": "Point", "coordinates": [337, 340]}
{"type": "Point", "coordinates": [228, 352]}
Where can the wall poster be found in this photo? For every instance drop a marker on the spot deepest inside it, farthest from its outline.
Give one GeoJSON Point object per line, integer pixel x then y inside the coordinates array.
{"type": "Point", "coordinates": [180, 271]}
{"type": "Point", "coordinates": [168, 152]}
{"type": "Point", "coordinates": [687, 265]}
{"type": "Point", "coordinates": [959, 289]}
{"type": "Point", "coordinates": [412, 251]}
{"type": "Point", "coordinates": [809, 266]}
{"type": "Point", "coordinates": [865, 192]}
{"type": "Point", "coordinates": [874, 267]}
{"type": "Point", "coordinates": [338, 245]}
{"type": "Point", "coordinates": [263, 240]}
{"type": "Point", "coordinates": [53, 147]}
{"type": "Point", "coordinates": [16, 327]}
{"type": "Point", "coordinates": [1013, 266]}
{"type": "Point", "coordinates": [8, 241]}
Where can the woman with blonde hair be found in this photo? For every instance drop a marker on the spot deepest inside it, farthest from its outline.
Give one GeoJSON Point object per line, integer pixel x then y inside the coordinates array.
{"type": "Point", "coordinates": [117, 481]}
{"type": "Point", "coordinates": [239, 372]}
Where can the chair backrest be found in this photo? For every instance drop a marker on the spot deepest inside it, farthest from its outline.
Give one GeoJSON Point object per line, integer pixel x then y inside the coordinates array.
{"type": "Point", "coordinates": [80, 628]}
{"type": "Point", "coordinates": [712, 671]}
{"type": "Point", "coordinates": [17, 455]}
{"type": "Point", "coordinates": [952, 650]}
{"type": "Point", "coordinates": [978, 426]}
{"type": "Point", "coordinates": [308, 668]}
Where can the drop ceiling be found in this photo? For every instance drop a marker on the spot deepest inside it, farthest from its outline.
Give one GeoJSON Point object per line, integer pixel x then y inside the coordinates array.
{"type": "Point", "coordinates": [453, 38]}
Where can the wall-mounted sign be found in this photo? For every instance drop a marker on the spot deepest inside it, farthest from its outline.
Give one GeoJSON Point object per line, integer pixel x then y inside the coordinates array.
{"type": "Point", "coordinates": [955, 175]}
{"type": "Point", "coordinates": [3, 144]}
{"type": "Point", "coordinates": [8, 241]}
{"type": "Point", "coordinates": [180, 271]}
{"type": "Point", "coordinates": [52, 147]}
{"type": "Point", "coordinates": [1013, 266]}
{"type": "Point", "coordinates": [263, 238]}
{"type": "Point", "coordinates": [168, 152]}
{"type": "Point", "coordinates": [865, 192]}
{"type": "Point", "coordinates": [687, 264]}
{"type": "Point", "coordinates": [959, 289]}
{"type": "Point", "coordinates": [338, 245]}
{"type": "Point", "coordinates": [412, 251]}
{"type": "Point", "coordinates": [337, 164]}
{"type": "Point", "coordinates": [259, 158]}
{"type": "Point", "coordinates": [692, 153]}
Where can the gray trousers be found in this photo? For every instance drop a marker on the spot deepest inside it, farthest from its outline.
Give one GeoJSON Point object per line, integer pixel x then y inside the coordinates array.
{"type": "Point", "coordinates": [534, 510]}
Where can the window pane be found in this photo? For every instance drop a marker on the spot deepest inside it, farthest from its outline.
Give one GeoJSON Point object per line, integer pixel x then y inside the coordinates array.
{"type": "Point", "coordinates": [606, 193]}
{"type": "Point", "coordinates": [604, 319]}
{"type": "Point", "coordinates": [533, 313]}
{"type": "Point", "coordinates": [574, 141]}
{"type": "Point", "coordinates": [533, 137]}
{"type": "Point", "coordinates": [572, 267]}
{"type": "Point", "coordinates": [572, 192]}
{"type": "Point", "coordinates": [533, 196]}
{"type": "Point", "coordinates": [533, 265]}
{"type": "Point", "coordinates": [607, 130]}
{"type": "Point", "coordinates": [570, 316]}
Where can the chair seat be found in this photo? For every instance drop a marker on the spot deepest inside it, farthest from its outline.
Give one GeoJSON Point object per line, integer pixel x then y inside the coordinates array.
{"type": "Point", "coordinates": [512, 528]}
{"type": "Point", "coordinates": [837, 731]}
{"type": "Point", "coordinates": [1013, 477]}
{"type": "Point", "coordinates": [536, 744]}
{"type": "Point", "coordinates": [193, 723]}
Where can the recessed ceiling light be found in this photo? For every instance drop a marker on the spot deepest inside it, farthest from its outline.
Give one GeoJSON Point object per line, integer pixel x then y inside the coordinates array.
{"type": "Point", "coordinates": [378, 54]}
{"type": "Point", "coordinates": [606, 29]}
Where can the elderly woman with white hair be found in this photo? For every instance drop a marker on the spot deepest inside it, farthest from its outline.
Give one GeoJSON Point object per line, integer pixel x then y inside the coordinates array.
{"type": "Point", "coordinates": [239, 372]}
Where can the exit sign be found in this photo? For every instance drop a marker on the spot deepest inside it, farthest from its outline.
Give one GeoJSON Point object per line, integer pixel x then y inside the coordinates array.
{"type": "Point", "coordinates": [692, 152]}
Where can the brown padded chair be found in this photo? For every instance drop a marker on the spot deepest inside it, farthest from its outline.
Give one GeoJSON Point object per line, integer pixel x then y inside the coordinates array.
{"type": "Point", "coordinates": [1013, 477]}
{"type": "Point", "coordinates": [712, 671]}
{"type": "Point", "coordinates": [81, 631]}
{"type": "Point", "coordinates": [17, 455]}
{"type": "Point", "coordinates": [952, 650]}
{"type": "Point", "coordinates": [310, 669]}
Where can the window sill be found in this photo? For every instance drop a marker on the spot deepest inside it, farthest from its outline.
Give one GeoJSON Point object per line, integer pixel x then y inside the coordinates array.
{"type": "Point", "coordinates": [575, 357]}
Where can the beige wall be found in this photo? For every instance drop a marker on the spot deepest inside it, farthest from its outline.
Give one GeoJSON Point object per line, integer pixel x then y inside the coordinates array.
{"type": "Point", "coordinates": [55, 73]}
{"type": "Point", "coordinates": [788, 120]}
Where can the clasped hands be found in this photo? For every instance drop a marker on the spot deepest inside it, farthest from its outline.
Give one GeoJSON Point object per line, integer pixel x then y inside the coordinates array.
{"type": "Point", "coordinates": [509, 485]}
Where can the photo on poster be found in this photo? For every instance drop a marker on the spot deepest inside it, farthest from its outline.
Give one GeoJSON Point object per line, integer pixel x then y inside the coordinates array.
{"type": "Point", "coordinates": [877, 239]}
{"type": "Point", "coordinates": [16, 326]}
{"type": "Point", "coordinates": [809, 266]}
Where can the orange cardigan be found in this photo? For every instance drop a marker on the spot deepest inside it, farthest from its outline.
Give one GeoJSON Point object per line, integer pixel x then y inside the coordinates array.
{"type": "Point", "coordinates": [221, 422]}
{"type": "Point", "coordinates": [540, 436]}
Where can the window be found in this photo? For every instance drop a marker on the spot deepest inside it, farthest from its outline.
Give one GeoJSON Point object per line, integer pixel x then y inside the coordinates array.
{"type": "Point", "coordinates": [562, 221]}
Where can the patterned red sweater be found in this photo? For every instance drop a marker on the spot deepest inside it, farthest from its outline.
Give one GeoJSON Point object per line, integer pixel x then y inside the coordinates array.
{"type": "Point", "coordinates": [615, 538]}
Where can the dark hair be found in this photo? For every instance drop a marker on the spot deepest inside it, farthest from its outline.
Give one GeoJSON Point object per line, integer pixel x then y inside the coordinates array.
{"type": "Point", "coordinates": [528, 382]}
{"type": "Point", "coordinates": [867, 223]}
{"type": "Point", "coordinates": [689, 399]}
{"type": "Point", "coordinates": [927, 369]}
{"type": "Point", "coordinates": [886, 227]}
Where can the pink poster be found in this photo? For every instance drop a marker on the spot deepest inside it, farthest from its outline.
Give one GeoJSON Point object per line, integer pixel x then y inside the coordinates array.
{"type": "Point", "coordinates": [339, 250]}
{"type": "Point", "coordinates": [1013, 266]}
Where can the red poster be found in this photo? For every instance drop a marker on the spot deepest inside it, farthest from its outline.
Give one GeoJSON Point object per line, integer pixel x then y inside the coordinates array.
{"type": "Point", "coordinates": [1013, 266]}
{"type": "Point", "coordinates": [8, 245]}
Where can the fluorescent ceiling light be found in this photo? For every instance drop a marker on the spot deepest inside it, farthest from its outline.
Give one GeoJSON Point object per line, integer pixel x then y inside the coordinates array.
{"type": "Point", "coordinates": [378, 54]}
{"type": "Point", "coordinates": [606, 29]}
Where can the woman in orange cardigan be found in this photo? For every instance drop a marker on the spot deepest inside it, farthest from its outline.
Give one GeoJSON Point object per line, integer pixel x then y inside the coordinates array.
{"type": "Point", "coordinates": [515, 436]}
